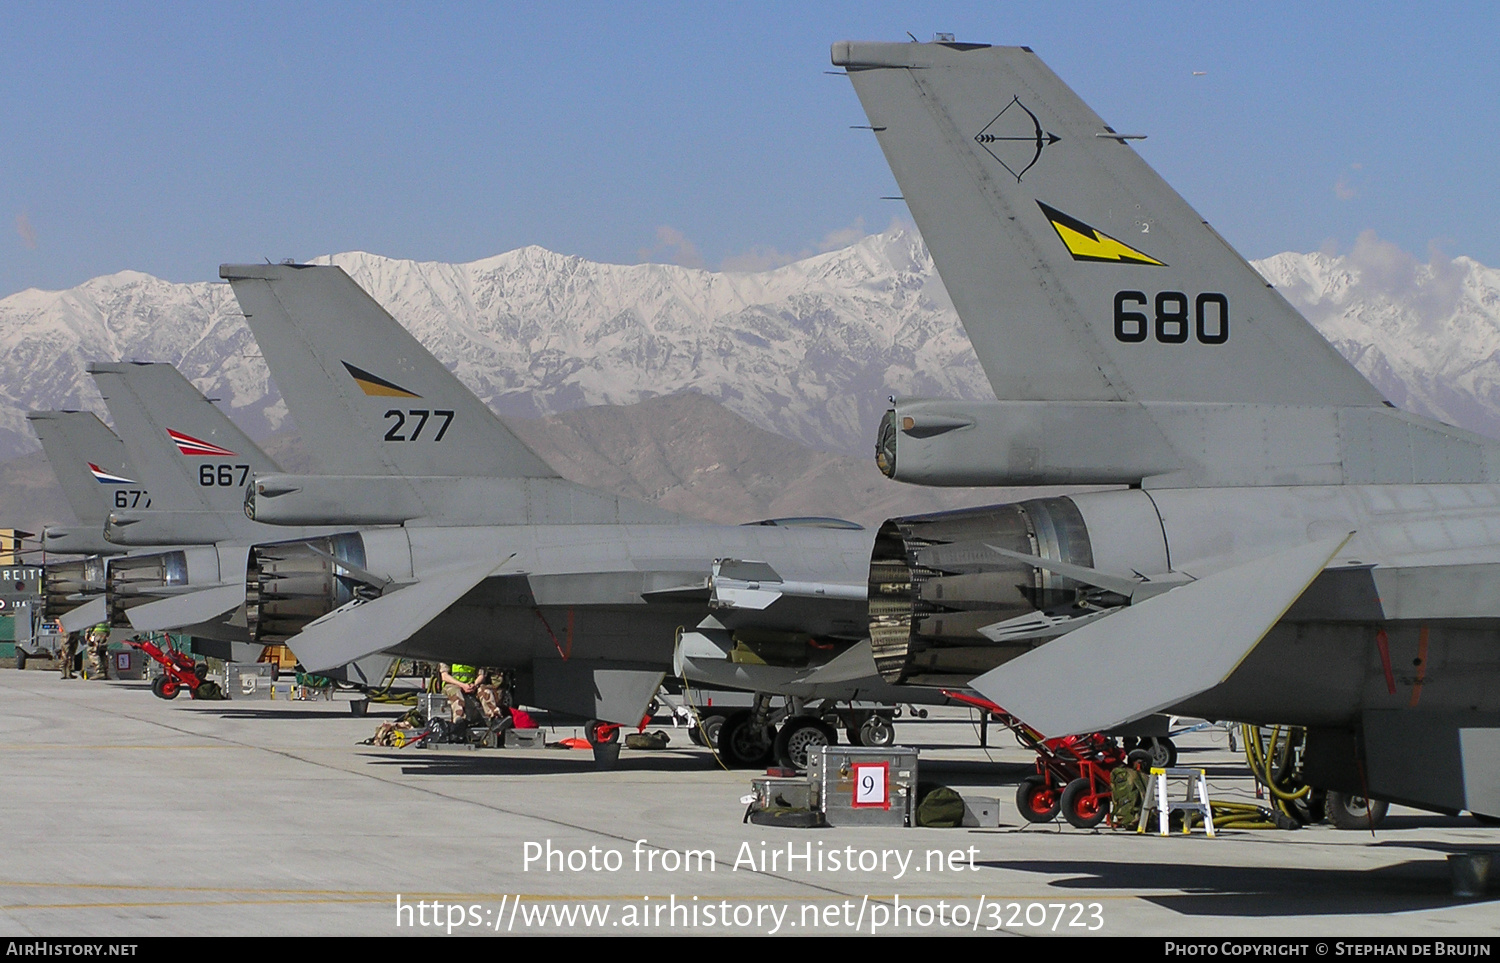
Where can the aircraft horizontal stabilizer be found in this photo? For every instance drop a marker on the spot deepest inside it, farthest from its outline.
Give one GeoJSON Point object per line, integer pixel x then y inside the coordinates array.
{"type": "Point", "coordinates": [189, 608]}
{"type": "Point", "coordinates": [92, 612]}
{"type": "Point", "coordinates": [358, 629]}
{"type": "Point", "coordinates": [1158, 652]}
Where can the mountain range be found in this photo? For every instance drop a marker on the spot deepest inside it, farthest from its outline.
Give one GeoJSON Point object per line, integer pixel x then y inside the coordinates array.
{"type": "Point", "coordinates": [809, 351]}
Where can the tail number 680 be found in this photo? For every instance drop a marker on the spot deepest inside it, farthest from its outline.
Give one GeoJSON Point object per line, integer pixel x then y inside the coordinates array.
{"type": "Point", "coordinates": [1209, 320]}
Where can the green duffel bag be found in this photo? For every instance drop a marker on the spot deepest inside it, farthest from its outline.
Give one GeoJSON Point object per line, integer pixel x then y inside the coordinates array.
{"type": "Point", "coordinates": [942, 808]}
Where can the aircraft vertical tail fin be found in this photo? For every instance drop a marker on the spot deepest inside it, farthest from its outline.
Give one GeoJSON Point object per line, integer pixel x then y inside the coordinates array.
{"type": "Point", "coordinates": [90, 463]}
{"type": "Point", "coordinates": [193, 456]}
{"type": "Point", "coordinates": [1080, 275]}
{"type": "Point", "coordinates": [366, 395]}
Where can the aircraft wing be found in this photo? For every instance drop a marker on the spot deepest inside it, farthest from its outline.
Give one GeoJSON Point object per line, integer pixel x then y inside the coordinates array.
{"type": "Point", "coordinates": [1157, 653]}
{"type": "Point", "coordinates": [358, 629]}
{"type": "Point", "coordinates": [188, 608]}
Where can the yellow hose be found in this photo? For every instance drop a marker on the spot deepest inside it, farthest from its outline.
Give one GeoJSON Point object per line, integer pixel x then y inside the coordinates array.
{"type": "Point", "coordinates": [1260, 764]}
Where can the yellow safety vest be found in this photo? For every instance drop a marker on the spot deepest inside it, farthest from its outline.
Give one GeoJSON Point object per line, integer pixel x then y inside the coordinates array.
{"type": "Point", "coordinates": [464, 673]}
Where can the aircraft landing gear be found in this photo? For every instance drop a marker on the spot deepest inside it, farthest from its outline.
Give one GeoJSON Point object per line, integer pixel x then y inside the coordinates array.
{"type": "Point", "coordinates": [604, 739]}
{"type": "Point", "coordinates": [800, 738]}
{"type": "Point", "coordinates": [746, 739]}
{"type": "Point", "coordinates": [1348, 811]}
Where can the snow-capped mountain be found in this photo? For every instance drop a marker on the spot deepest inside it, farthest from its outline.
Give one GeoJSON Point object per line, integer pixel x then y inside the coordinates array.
{"type": "Point", "coordinates": [810, 350]}
{"type": "Point", "coordinates": [1427, 335]}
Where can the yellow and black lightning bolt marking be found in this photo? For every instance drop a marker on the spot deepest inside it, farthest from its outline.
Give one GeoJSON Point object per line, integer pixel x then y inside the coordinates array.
{"type": "Point", "coordinates": [377, 386]}
{"type": "Point", "coordinates": [1090, 244]}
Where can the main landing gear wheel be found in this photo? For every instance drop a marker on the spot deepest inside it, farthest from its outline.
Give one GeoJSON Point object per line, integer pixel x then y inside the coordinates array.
{"type": "Point", "coordinates": [800, 739]}
{"type": "Point", "coordinates": [164, 687]}
{"type": "Point", "coordinates": [877, 732]}
{"type": "Point", "coordinates": [744, 745]}
{"type": "Point", "coordinates": [1348, 811]}
{"type": "Point", "coordinates": [1037, 800]}
{"type": "Point", "coordinates": [708, 725]}
{"type": "Point", "coordinates": [1163, 751]}
{"type": "Point", "coordinates": [1080, 807]}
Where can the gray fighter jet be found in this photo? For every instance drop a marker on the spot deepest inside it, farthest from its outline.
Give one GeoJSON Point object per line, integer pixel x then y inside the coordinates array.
{"type": "Point", "coordinates": [488, 556]}
{"type": "Point", "coordinates": [1291, 549]}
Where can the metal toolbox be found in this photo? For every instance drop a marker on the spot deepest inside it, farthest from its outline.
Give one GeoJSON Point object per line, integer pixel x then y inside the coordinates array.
{"type": "Point", "coordinates": [525, 739]}
{"type": "Point", "coordinates": [779, 792]}
{"type": "Point", "coordinates": [127, 664]}
{"type": "Point", "coordinates": [433, 705]}
{"type": "Point", "coordinates": [248, 680]}
{"type": "Point", "coordinates": [855, 786]}
{"type": "Point", "coordinates": [982, 812]}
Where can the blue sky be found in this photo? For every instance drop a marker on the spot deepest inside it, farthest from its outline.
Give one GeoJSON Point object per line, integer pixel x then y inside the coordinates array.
{"type": "Point", "coordinates": [168, 138]}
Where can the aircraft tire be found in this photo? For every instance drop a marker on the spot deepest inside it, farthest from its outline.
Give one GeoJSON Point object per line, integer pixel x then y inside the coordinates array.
{"type": "Point", "coordinates": [799, 738]}
{"type": "Point", "coordinates": [593, 728]}
{"type": "Point", "coordinates": [1080, 808]}
{"type": "Point", "coordinates": [1352, 811]}
{"type": "Point", "coordinates": [1163, 751]}
{"type": "Point", "coordinates": [709, 726]}
{"type": "Point", "coordinates": [877, 732]}
{"type": "Point", "coordinates": [1037, 801]}
{"type": "Point", "coordinates": [740, 746]}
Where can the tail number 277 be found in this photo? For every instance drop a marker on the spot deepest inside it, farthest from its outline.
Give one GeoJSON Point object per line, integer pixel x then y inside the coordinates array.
{"type": "Point", "coordinates": [419, 417]}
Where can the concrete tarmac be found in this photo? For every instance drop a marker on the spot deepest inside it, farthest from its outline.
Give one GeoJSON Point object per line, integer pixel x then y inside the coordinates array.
{"type": "Point", "coordinates": [129, 815]}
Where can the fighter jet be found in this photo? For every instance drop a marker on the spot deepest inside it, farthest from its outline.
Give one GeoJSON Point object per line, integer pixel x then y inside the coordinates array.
{"type": "Point", "coordinates": [490, 557]}
{"type": "Point", "coordinates": [1290, 549]}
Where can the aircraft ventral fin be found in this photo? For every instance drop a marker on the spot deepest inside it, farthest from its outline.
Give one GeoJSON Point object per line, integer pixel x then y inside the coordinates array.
{"type": "Point", "coordinates": [92, 612]}
{"type": "Point", "coordinates": [358, 629]}
{"type": "Point", "coordinates": [856, 662]}
{"type": "Point", "coordinates": [189, 608]}
{"type": "Point", "coordinates": [1161, 651]}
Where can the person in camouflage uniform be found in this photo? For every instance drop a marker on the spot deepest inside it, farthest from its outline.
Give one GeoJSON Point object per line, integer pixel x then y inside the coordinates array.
{"type": "Point", "coordinates": [463, 682]}
{"type": "Point", "coordinates": [69, 655]}
{"type": "Point", "coordinates": [98, 651]}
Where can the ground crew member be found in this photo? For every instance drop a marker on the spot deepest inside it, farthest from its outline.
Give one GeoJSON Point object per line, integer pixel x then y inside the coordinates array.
{"type": "Point", "coordinates": [461, 682]}
{"type": "Point", "coordinates": [98, 642]}
{"type": "Point", "coordinates": [69, 655]}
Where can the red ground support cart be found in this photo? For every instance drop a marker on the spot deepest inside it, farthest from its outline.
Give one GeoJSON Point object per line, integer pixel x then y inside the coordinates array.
{"type": "Point", "coordinates": [1072, 772]}
{"type": "Point", "coordinates": [179, 672]}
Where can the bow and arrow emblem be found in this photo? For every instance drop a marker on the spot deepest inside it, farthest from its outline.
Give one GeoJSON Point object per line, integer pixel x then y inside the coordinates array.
{"type": "Point", "coordinates": [1020, 139]}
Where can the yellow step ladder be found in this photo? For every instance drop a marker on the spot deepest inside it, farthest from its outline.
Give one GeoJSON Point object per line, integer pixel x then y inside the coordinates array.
{"type": "Point", "coordinates": [1197, 783]}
